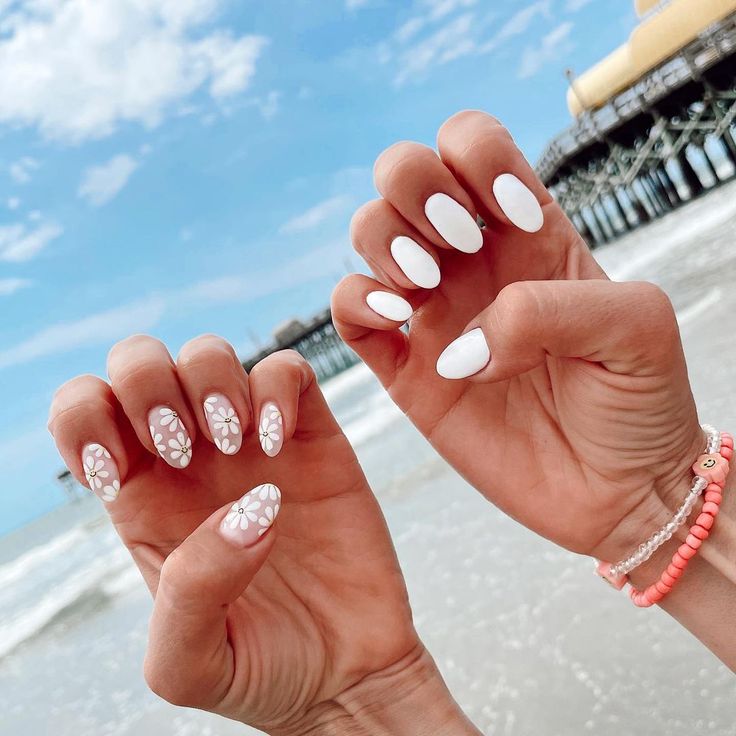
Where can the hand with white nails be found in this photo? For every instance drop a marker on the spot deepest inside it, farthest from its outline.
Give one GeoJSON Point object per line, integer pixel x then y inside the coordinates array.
{"type": "Point", "coordinates": [561, 396]}
{"type": "Point", "coordinates": [278, 600]}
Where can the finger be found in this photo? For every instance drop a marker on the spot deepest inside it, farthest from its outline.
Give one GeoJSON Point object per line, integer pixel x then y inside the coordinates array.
{"type": "Point", "coordinates": [279, 385]}
{"type": "Point", "coordinates": [217, 388]}
{"type": "Point", "coordinates": [396, 253]}
{"type": "Point", "coordinates": [143, 377]}
{"type": "Point", "coordinates": [190, 659]}
{"type": "Point", "coordinates": [373, 336]}
{"type": "Point", "coordinates": [83, 423]}
{"type": "Point", "coordinates": [628, 328]}
{"type": "Point", "coordinates": [415, 182]}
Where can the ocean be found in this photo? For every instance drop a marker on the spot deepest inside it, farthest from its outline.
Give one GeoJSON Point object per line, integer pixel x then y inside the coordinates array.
{"type": "Point", "coordinates": [516, 655]}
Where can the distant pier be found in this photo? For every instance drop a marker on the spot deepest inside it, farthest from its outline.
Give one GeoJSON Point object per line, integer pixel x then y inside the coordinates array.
{"type": "Point", "coordinates": [663, 140]}
{"type": "Point", "coordinates": [317, 340]}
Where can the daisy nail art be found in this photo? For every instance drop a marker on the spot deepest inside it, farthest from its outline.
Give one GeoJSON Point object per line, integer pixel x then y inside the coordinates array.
{"type": "Point", "coordinates": [224, 424]}
{"type": "Point", "coordinates": [170, 436]}
{"type": "Point", "coordinates": [101, 472]}
{"type": "Point", "coordinates": [271, 429]}
{"type": "Point", "coordinates": [252, 516]}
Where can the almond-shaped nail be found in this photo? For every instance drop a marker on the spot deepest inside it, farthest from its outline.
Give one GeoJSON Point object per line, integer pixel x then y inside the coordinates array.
{"type": "Point", "coordinates": [170, 436]}
{"type": "Point", "coordinates": [252, 516]}
{"type": "Point", "coordinates": [464, 356]}
{"type": "Point", "coordinates": [271, 429]}
{"type": "Point", "coordinates": [101, 472]}
{"type": "Point", "coordinates": [224, 423]}
{"type": "Point", "coordinates": [390, 306]}
{"type": "Point", "coordinates": [418, 266]}
{"type": "Point", "coordinates": [454, 223]}
{"type": "Point", "coordinates": [518, 203]}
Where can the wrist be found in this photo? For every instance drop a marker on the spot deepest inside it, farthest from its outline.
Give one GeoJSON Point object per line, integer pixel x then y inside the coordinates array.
{"type": "Point", "coordinates": [409, 697]}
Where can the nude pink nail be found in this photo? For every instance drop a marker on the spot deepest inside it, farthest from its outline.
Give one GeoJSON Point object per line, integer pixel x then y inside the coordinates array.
{"type": "Point", "coordinates": [271, 429]}
{"type": "Point", "coordinates": [252, 516]}
{"type": "Point", "coordinates": [101, 472]}
{"type": "Point", "coordinates": [224, 424]}
{"type": "Point", "coordinates": [170, 436]}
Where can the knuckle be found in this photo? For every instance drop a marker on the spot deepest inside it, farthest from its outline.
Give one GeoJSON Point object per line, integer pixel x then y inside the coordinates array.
{"type": "Point", "coordinates": [367, 218]}
{"type": "Point", "coordinates": [133, 377]}
{"type": "Point", "coordinates": [342, 294]}
{"type": "Point", "coordinates": [201, 351]}
{"type": "Point", "coordinates": [515, 304]}
{"type": "Point", "coordinates": [123, 350]}
{"type": "Point", "coordinates": [462, 127]}
{"type": "Point", "coordinates": [398, 162]}
{"type": "Point", "coordinates": [166, 683]}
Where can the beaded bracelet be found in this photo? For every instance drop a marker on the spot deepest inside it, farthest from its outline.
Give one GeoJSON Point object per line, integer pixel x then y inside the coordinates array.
{"type": "Point", "coordinates": [711, 470]}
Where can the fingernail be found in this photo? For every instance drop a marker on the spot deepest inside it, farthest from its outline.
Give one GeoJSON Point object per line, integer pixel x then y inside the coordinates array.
{"type": "Point", "coordinates": [390, 306]}
{"type": "Point", "coordinates": [465, 356]}
{"type": "Point", "coordinates": [518, 203]}
{"type": "Point", "coordinates": [224, 424]}
{"type": "Point", "coordinates": [454, 223]}
{"type": "Point", "coordinates": [251, 517]}
{"type": "Point", "coordinates": [170, 436]}
{"type": "Point", "coordinates": [101, 472]}
{"type": "Point", "coordinates": [271, 429]}
{"type": "Point", "coordinates": [418, 266]}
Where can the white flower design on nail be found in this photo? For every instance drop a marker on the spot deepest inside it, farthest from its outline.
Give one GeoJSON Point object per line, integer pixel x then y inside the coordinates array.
{"type": "Point", "coordinates": [268, 491]}
{"type": "Point", "coordinates": [94, 471]}
{"type": "Point", "coordinates": [226, 421]}
{"type": "Point", "coordinates": [158, 439]}
{"type": "Point", "coordinates": [209, 404]}
{"type": "Point", "coordinates": [169, 418]}
{"type": "Point", "coordinates": [110, 492]}
{"type": "Point", "coordinates": [270, 431]}
{"type": "Point", "coordinates": [224, 445]}
{"type": "Point", "coordinates": [242, 513]}
{"type": "Point", "coordinates": [269, 516]}
{"type": "Point", "coordinates": [101, 472]}
{"type": "Point", "coordinates": [181, 449]}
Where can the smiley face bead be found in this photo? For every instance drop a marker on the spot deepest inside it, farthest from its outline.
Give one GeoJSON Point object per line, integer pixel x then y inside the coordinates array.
{"type": "Point", "coordinates": [713, 468]}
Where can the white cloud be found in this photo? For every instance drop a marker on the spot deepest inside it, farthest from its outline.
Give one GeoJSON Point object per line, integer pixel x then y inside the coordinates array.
{"type": "Point", "coordinates": [552, 47]}
{"type": "Point", "coordinates": [518, 24]}
{"type": "Point", "coordinates": [440, 8]}
{"type": "Point", "coordinates": [316, 215]}
{"type": "Point", "coordinates": [96, 329]}
{"type": "Point", "coordinates": [20, 170]}
{"type": "Point", "coordinates": [10, 286]}
{"type": "Point", "coordinates": [269, 105]}
{"type": "Point", "coordinates": [572, 6]}
{"type": "Point", "coordinates": [18, 243]}
{"type": "Point", "coordinates": [76, 69]}
{"type": "Point", "coordinates": [13, 203]}
{"type": "Point", "coordinates": [102, 183]}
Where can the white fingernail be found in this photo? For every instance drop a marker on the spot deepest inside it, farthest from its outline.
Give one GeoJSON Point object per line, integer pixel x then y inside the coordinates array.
{"type": "Point", "coordinates": [454, 223]}
{"type": "Point", "coordinates": [390, 306]}
{"type": "Point", "coordinates": [418, 266]}
{"type": "Point", "coordinates": [465, 356]}
{"type": "Point", "coordinates": [518, 203]}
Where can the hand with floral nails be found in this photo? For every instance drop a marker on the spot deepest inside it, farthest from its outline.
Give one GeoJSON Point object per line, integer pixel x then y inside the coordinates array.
{"type": "Point", "coordinates": [278, 598]}
{"type": "Point", "coordinates": [561, 396]}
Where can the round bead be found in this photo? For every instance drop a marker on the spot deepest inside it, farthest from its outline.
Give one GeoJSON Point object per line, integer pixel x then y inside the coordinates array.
{"type": "Point", "coordinates": [727, 452]}
{"type": "Point", "coordinates": [687, 552]}
{"type": "Point", "coordinates": [713, 497]}
{"type": "Point", "coordinates": [679, 561]}
{"type": "Point", "coordinates": [693, 541]}
{"type": "Point", "coordinates": [705, 520]}
{"type": "Point", "coordinates": [668, 579]}
{"type": "Point", "coordinates": [653, 594]}
{"type": "Point", "coordinates": [698, 531]}
{"type": "Point", "coordinates": [727, 440]}
{"type": "Point", "coordinates": [662, 587]}
{"type": "Point", "coordinates": [710, 508]}
{"type": "Point", "coordinates": [674, 571]}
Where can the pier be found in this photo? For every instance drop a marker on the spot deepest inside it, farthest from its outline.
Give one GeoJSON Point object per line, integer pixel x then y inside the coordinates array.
{"type": "Point", "coordinates": [635, 153]}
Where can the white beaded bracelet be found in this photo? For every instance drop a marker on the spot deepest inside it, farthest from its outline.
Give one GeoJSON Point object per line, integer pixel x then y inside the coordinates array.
{"type": "Point", "coordinates": [645, 550]}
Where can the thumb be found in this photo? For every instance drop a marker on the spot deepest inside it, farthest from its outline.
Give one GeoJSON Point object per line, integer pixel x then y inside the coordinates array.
{"type": "Point", "coordinates": [190, 660]}
{"type": "Point", "coordinates": [629, 328]}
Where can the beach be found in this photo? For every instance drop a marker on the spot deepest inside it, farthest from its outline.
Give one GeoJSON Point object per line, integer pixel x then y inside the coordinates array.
{"type": "Point", "coordinates": [516, 653]}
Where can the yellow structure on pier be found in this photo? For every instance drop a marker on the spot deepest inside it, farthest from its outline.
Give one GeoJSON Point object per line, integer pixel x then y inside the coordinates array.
{"type": "Point", "coordinates": [667, 26]}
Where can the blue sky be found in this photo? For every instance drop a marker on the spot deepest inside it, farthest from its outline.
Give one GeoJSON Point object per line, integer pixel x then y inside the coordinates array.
{"type": "Point", "coordinates": [187, 166]}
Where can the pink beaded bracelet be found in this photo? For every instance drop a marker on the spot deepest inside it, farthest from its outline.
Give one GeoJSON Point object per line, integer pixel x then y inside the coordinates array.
{"type": "Point", "coordinates": [711, 470]}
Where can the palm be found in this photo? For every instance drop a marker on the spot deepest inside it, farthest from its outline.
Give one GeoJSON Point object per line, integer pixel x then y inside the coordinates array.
{"type": "Point", "coordinates": [559, 432]}
{"type": "Point", "coordinates": [328, 606]}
